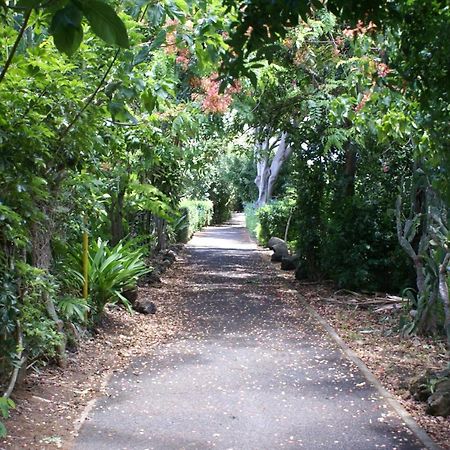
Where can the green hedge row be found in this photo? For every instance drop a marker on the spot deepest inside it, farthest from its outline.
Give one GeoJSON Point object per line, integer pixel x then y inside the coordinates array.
{"type": "Point", "coordinates": [270, 220]}
{"type": "Point", "coordinates": [195, 214]}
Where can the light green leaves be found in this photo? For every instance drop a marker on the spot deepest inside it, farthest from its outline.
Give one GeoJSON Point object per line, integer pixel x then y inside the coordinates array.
{"type": "Point", "coordinates": [105, 23]}
{"type": "Point", "coordinates": [66, 26]}
{"type": "Point", "coordinates": [149, 100]}
{"type": "Point", "coordinates": [67, 30]}
{"type": "Point", "coordinates": [5, 405]}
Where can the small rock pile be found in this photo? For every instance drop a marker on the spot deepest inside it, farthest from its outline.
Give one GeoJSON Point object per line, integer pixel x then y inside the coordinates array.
{"type": "Point", "coordinates": [160, 263]}
{"type": "Point", "coordinates": [281, 254]}
{"type": "Point", "coordinates": [433, 388]}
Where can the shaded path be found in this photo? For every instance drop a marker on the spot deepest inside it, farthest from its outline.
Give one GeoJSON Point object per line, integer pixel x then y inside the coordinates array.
{"type": "Point", "coordinates": [248, 372]}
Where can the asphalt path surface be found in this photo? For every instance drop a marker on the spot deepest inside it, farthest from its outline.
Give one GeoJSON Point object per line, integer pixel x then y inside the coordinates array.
{"type": "Point", "coordinates": [248, 371]}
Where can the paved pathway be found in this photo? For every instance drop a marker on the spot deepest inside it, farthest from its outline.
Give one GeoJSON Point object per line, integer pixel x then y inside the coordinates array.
{"type": "Point", "coordinates": [249, 371]}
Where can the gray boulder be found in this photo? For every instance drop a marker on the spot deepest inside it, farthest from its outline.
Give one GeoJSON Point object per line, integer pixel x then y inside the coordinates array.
{"type": "Point", "coordinates": [289, 262]}
{"type": "Point", "coordinates": [439, 401]}
{"type": "Point", "coordinates": [280, 251]}
{"type": "Point", "coordinates": [145, 307]}
{"type": "Point", "coordinates": [275, 241]}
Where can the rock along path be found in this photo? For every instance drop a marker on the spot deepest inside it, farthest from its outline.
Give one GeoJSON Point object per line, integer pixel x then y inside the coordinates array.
{"type": "Point", "coordinates": [249, 370]}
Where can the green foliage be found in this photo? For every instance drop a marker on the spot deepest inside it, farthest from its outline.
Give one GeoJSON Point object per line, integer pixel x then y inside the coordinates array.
{"type": "Point", "coordinates": [195, 214]}
{"type": "Point", "coordinates": [9, 315]}
{"type": "Point", "coordinates": [273, 219]}
{"type": "Point", "coordinates": [73, 308]}
{"type": "Point", "coordinates": [112, 270]}
{"type": "Point", "coordinates": [41, 338]}
{"type": "Point", "coordinates": [251, 220]}
{"type": "Point", "coordinates": [364, 233]}
{"type": "Point", "coordinates": [6, 404]}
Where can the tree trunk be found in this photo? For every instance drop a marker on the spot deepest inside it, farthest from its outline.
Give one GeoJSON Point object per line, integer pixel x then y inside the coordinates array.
{"type": "Point", "coordinates": [444, 294]}
{"type": "Point", "coordinates": [350, 170]}
{"type": "Point", "coordinates": [268, 172]}
{"type": "Point", "coordinates": [42, 259]}
{"type": "Point", "coordinates": [161, 235]}
{"type": "Point", "coordinates": [116, 218]}
{"type": "Point", "coordinates": [283, 153]}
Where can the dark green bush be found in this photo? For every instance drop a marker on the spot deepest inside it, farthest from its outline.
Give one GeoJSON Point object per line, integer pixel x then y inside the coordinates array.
{"type": "Point", "coordinates": [194, 215]}
{"type": "Point", "coordinates": [222, 194]}
{"type": "Point", "coordinates": [360, 249]}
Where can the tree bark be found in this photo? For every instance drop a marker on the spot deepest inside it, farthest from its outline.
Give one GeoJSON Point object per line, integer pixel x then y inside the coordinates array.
{"type": "Point", "coordinates": [268, 172]}
{"type": "Point", "coordinates": [42, 259]}
{"type": "Point", "coordinates": [116, 217]}
{"type": "Point", "coordinates": [283, 153]}
{"type": "Point", "coordinates": [350, 170]}
{"type": "Point", "coordinates": [444, 294]}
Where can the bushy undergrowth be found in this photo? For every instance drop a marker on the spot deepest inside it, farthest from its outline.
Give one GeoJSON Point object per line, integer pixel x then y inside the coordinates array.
{"type": "Point", "coordinates": [274, 219]}
{"type": "Point", "coordinates": [270, 220]}
{"type": "Point", "coordinates": [356, 246]}
{"type": "Point", "coordinates": [251, 220]}
{"type": "Point", "coordinates": [112, 270]}
{"type": "Point", "coordinates": [194, 215]}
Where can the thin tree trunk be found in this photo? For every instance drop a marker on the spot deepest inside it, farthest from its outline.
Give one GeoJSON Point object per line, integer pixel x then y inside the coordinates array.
{"type": "Point", "coordinates": [161, 225]}
{"type": "Point", "coordinates": [282, 154]}
{"type": "Point", "coordinates": [444, 294]}
{"type": "Point", "coordinates": [268, 172]}
{"type": "Point", "coordinates": [42, 258]}
{"type": "Point", "coordinates": [350, 170]}
{"type": "Point", "coordinates": [116, 218]}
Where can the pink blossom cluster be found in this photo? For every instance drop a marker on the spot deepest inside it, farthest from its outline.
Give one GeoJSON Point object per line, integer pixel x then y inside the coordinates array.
{"type": "Point", "coordinates": [383, 70]}
{"type": "Point", "coordinates": [171, 36]}
{"type": "Point", "coordinates": [359, 29]}
{"type": "Point", "coordinates": [183, 57]}
{"type": "Point", "coordinates": [363, 101]}
{"type": "Point", "coordinates": [212, 101]}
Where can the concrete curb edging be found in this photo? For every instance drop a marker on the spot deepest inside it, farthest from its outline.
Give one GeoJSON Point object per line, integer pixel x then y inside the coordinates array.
{"type": "Point", "coordinates": [79, 422]}
{"type": "Point", "coordinates": [420, 434]}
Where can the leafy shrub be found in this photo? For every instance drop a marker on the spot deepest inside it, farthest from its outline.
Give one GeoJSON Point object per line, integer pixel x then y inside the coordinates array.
{"type": "Point", "coordinates": [273, 219]}
{"type": "Point", "coordinates": [9, 314]}
{"type": "Point", "coordinates": [251, 220]}
{"type": "Point", "coordinates": [112, 270]}
{"type": "Point", "coordinates": [73, 308]}
{"type": "Point", "coordinates": [5, 405]}
{"type": "Point", "coordinates": [195, 214]}
{"type": "Point", "coordinates": [41, 338]}
{"type": "Point", "coordinates": [222, 194]}
{"type": "Point", "coordinates": [360, 248]}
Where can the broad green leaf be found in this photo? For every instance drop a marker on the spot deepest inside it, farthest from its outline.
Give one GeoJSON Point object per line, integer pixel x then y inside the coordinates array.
{"type": "Point", "coordinates": [156, 14]}
{"type": "Point", "coordinates": [159, 40]}
{"type": "Point", "coordinates": [182, 5]}
{"type": "Point", "coordinates": [67, 30]}
{"type": "Point", "coordinates": [105, 23]}
{"type": "Point", "coordinates": [120, 113]}
{"type": "Point", "coordinates": [149, 101]}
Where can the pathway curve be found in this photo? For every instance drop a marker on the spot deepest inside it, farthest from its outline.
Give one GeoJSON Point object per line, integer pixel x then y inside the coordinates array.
{"type": "Point", "coordinates": [248, 372]}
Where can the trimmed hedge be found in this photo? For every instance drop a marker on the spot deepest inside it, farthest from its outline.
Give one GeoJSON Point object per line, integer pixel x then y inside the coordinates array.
{"type": "Point", "coordinates": [195, 214]}
{"type": "Point", "coordinates": [270, 220]}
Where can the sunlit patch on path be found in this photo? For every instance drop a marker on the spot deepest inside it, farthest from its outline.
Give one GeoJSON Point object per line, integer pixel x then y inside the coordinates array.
{"type": "Point", "coordinates": [249, 371]}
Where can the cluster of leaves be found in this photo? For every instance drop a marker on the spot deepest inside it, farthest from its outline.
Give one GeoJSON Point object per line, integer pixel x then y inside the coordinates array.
{"type": "Point", "coordinates": [111, 271]}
